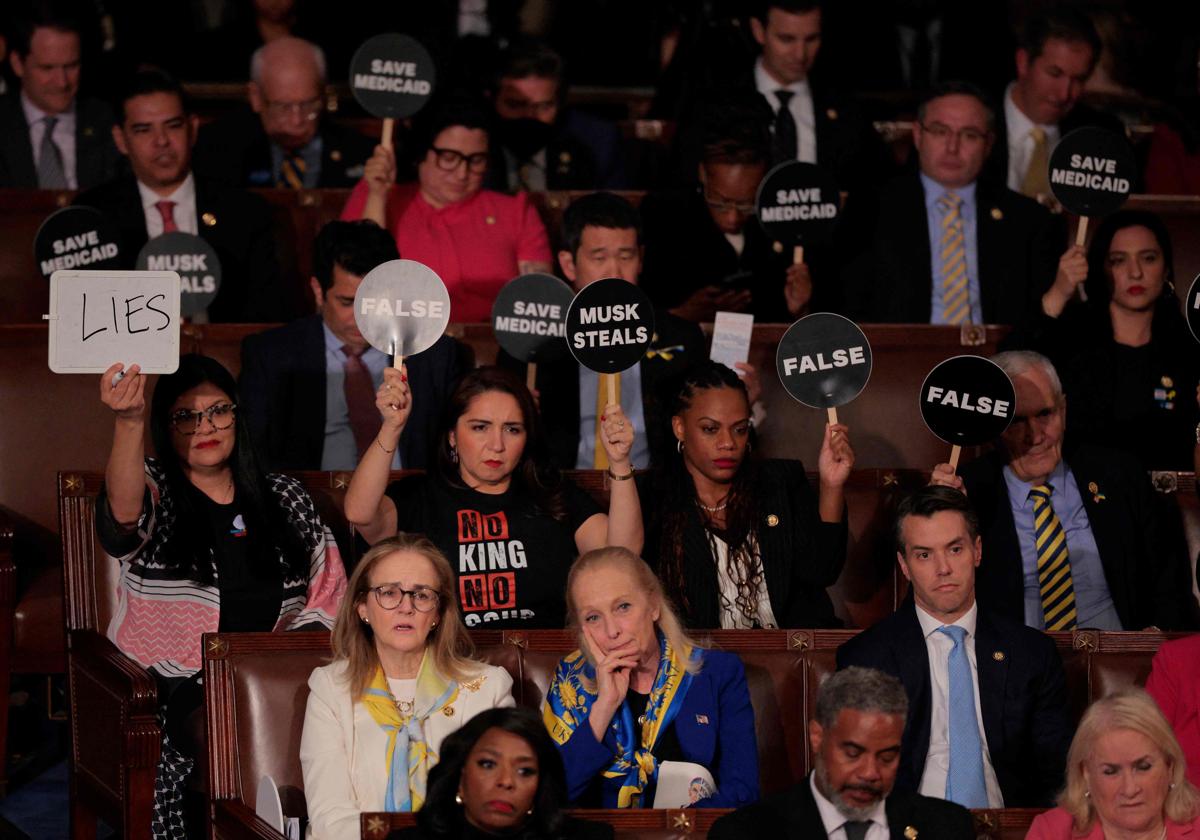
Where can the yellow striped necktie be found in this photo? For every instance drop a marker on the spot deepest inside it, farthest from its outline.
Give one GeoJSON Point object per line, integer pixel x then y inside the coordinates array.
{"type": "Point", "coordinates": [600, 457]}
{"type": "Point", "coordinates": [956, 303]}
{"type": "Point", "coordinates": [1054, 566]}
{"type": "Point", "coordinates": [291, 172]}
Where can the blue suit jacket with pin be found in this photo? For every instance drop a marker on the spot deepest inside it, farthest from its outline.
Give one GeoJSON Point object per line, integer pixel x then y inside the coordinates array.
{"type": "Point", "coordinates": [1022, 698]}
{"type": "Point", "coordinates": [715, 728]}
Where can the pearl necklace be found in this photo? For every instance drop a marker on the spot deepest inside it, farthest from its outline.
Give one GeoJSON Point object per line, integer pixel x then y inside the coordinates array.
{"type": "Point", "coordinates": [714, 509]}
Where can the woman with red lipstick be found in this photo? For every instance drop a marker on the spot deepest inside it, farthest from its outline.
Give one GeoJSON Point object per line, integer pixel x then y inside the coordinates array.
{"type": "Point", "coordinates": [512, 523]}
{"type": "Point", "coordinates": [1128, 365]}
{"type": "Point", "coordinates": [500, 776]}
{"type": "Point", "coordinates": [740, 543]}
{"type": "Point", "coordinates": [206, 542]}
{"type": "Point", "coordinates": [1125, 778]}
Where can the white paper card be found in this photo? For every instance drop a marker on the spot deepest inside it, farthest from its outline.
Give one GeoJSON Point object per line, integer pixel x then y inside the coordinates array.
{"type": "Point", "coordinates": [731, 338]}
{"type": "Point", "coordinates": [682, 784]}
{"type": "Point", "coordinates": [267, 804]}
{"type": "Point", "coordinates": [99, 318]}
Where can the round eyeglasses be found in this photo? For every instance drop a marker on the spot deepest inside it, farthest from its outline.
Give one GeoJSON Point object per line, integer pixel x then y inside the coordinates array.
{"type": "Point", "coordinates": [188, 422]}
{"type": "Point", "coordinates": [390, 595]}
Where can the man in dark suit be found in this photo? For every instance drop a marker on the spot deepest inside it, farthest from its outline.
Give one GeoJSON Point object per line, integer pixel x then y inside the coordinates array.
{"type": "Point", "coordinates": [1122, 566]}
{"type": "Point", "coordinates": [283, 142]}
{"type": "Point", "coordinates": [49, 137]}
{"type": "Point", "coordinates": [602, 239]}
{"type": "Point", "coordinates": [155, 132]}
{"type": "Point", "coordinates": [1057, 53]}
{"type": "Point", "coordinates": [855, 738]}
{"type": "Point", "coordinates": [537, 143]}
{"type": "Point", "coordinates": [987, 721]}
{"type": "Point", "coordinates": [308, 388]}
{"type": "Point", "coordinates": [1002, 250]}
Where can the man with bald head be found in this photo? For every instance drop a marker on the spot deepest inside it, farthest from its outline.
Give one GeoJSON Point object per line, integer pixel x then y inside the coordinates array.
{"type": "Point", "coordinates": [282, 141]}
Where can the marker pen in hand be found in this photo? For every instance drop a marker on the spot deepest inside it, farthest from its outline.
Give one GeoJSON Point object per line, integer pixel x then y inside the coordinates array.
{"type": "Point", "coordinates": [118, 377]}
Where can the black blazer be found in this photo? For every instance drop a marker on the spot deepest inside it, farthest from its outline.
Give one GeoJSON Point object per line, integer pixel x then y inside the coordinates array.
{"type": "Point", "coordinates": [1145, 563]}
{"type": "Point", "coordinates": [237, 224]}
{"type": "Point", "coordinates": [793, 813]}
{"type": "Point", "coordinates": [558, 384]}
{"type": "Point", "coordinates": [236, 150]}
{"type": "Point", "coordinates": [1022, 694]}
{"type": "Point", "coordinates": [1018, 244]}
{"type": "Point", "coordinates": [283, 395]}
{"type": "Point", "coordinates": [96, 158]}
{"type": "Point", "coordinates": [801, 555]}
{"type": "Point", "coordinates": [572, 828]}
{"type": "Point", "coordinates": [584, 153]}
{"type": "Point", "coordinates": [996, 167]}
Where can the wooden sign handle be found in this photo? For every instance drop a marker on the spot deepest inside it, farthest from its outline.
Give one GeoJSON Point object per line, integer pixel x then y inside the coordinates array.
{"type": "Point", "coordinates": [612, 388]}
{"type": "Point", "coordinates": [831, 413]}
{"type": "Point", "coordinates": [375, 208]}
{"type": "Point", "coordinates": [955, 451]}
{"type": "Point", "coordinates": [798, 255]}
{"type": "Point", "coordinates": [1080, 239]}
{"type": "Point", "coordinates": [385, 137]}
{"type": "Point", "coordinates": [531, 376]}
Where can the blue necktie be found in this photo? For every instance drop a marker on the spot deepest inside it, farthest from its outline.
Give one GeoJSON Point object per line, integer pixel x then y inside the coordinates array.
{"type": "Point", "coordinates": [964, 782]}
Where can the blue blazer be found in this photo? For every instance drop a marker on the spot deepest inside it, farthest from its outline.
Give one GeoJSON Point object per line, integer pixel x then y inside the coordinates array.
{"type": "Point", "coordinates": [715, 728]}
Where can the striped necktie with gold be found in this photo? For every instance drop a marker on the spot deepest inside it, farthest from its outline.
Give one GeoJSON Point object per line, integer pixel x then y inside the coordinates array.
{"type": "Point", "coordinates": [291, 172]}
{"type": "Point", "coordinates": [956, 303]}
{"type": "Point", "coordinates": [1054, 566]}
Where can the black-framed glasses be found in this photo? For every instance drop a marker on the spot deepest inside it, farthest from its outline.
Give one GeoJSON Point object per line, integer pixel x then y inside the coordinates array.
{"type": "Point", "coordinates": [942, 132]}
{"type": "Point", "coordinates": [391, 595]}
{"type": "Point", "coordinates": [309, 109]}
{"type": "Point", "coordinates": [724, 205]}
{"type": "Point", "coordinates": [451, 159]}
{"type": "Point", "coordinates": [187, 422]}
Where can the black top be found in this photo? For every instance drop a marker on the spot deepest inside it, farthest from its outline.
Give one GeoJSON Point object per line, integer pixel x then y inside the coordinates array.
{"type": "Point", "coordinates": [571, 828]}
{"type": "Point", "coordinates": [510, 558]}
{"type": "Point", "coordinates": [251, 592]}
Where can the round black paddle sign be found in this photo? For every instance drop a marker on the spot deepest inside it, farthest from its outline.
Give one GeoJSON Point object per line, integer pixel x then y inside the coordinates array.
{"type": "Point", "coordinates": [76, 237]}
{"type": "Point", "coordinates": [193, 259]}
{"type": "Point", "coordinates": [610, 325]}
{"type": "Point", "coordinates": [392, 76]}
{"type": "Point", "coordinates": [1192, 308]}
{"type": "Point", "coordinates": [529, 317]}
{"type": "Point", "coordinates": [967, 401]}
{"type": "Point", "coordinates": [798, 203]}
{"type": "Point", "coordinates": [402, 307]}
{"type": "Point", "coordinates": [824, 360]}
{"type": "Point", "coordinates": [1092, 171]}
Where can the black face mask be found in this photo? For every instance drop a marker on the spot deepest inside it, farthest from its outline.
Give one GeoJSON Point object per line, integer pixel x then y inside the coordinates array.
{"type": "Point", "coordinates": [524, 137]}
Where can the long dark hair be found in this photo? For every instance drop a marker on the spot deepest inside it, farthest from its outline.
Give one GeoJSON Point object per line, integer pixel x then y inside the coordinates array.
{"type": "Point", "coordinates": [441, 816]}
{"type": "Point", "coordinates": [678, 503]}
{"type": "Point", "coordinates": [534, 474]}
{"type": "Point", "coordinates": [1099, 283]}
{"type": "Point", "coordinates": [267, 528]}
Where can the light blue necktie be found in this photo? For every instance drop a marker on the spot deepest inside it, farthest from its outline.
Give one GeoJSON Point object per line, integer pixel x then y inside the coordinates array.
{"type": "Point", "coordinates": [964, 781]}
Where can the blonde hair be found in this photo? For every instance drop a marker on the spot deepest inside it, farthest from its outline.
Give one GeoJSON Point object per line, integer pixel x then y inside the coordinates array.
{"type": "Point", "coordinates": [643, 576]}
{"type": "Point", "coordinates": [1133, 710]}
{"type": "Point", "coordinates": [354, 640]}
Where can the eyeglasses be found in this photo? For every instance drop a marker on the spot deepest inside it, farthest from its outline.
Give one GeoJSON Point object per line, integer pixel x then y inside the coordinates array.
{"type": "Point", "coordinates": [722, 205]}
{"type": "Point", "coordinates": [942, 132]}
{"type": "Point", "coordinates": [309, 109]}
{"type": "Point", "coordinates": [390, 595]}
{"type": "Point", "coordinates": [450, 159]}
{"type": "Point", "coordinates": [188, 422]}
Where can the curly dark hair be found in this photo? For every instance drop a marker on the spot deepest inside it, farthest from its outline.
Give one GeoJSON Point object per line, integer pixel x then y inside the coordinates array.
{"type": "Point", "coordinates": [678, 503]}
{"type": "Point", "coordinates": [441, 816]}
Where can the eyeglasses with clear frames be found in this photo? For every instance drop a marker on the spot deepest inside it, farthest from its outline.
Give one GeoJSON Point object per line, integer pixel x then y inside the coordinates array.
{"type": "Point", "coordinates": [187, 422]}
{"type": "Point", "coordinates": [450, 159]}
{"type": "Point", "coordinates": [389, 596]}
{"type": "Point", "coordinates": [942, 132]}
{"type": "Point", "coordinates": [308, 109]}
{"type": "Point", "coordinates": [722, 205]}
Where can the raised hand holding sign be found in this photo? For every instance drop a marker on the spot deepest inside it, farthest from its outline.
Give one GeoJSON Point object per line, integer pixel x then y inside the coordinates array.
{"type": "Point", "coordinates": [529, 320]}
{"type": "Point", "coordinates": [967, 401]}
{"type": "Point", "coordinates": [824, 361]}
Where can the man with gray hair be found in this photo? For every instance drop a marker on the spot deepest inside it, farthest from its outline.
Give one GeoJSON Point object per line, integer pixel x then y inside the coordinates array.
{"type": "Point", "coordinates": [855, 741]}
{"type": "Point", "coordinates": [1075, 540]}
{"type": "Point", "coordinates": [283, 142]}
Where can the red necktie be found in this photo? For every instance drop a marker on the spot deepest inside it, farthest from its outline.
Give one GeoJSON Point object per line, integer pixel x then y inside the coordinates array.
{"type": "Point", "coordinates": [166, 209]}
{"type": "Point", "coordinates": [360, 398]}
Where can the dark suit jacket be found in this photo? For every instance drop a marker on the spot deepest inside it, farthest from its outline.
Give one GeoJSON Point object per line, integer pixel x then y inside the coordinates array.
{"type": "Point", "coordinates": [1146, 566]}
{"type": "Point", "coordinates": [793, 813]}
{"type": "Point", "coordinates": [584, 153]}
{"type": "Point", "coordinates": [996, 168]}
{"type": "Point", "coordinates": [96, 158]}
{"type": "Point", "coordinates": [558, 383]}
{"type": "Point", "coordinates": [283, 395]}
{"type": "Point", "coordinates": [237, 224]}
{"type": "Point", "coordinates": [1017, 240]}
{"type": "Point", "coordinates": [1022, 694]}
{"type": "Point", "coordinates": [237, 150]}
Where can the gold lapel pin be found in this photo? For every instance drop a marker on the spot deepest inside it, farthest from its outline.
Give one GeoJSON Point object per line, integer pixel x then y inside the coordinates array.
{"type": "Point", "coordinates": [772, 520]}
{"type": "Point", "coordinates": [997, 213]}
{"type": "Point", "coordinates": [831, 113]}
{"type": "Point", "coordinates": [209, 219]}
{"type": "Point", "coordinates": [448, 711]}
{"type": "Point", "coordinates": [910, 833]}
{"type": "Point", "coordinates": [564, 157]}
{"type": "Point", "coordinates": [491, 220]}
{"type": "Point", "coordinates": [335, 155]}
{"type": "Point", "coordinates": [778, 247]}
{"type": "Point", "coordinates": [998, 655]}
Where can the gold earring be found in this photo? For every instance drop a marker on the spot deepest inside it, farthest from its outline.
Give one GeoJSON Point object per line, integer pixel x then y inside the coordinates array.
{"type": "Point", "coordinates": [458, 798]}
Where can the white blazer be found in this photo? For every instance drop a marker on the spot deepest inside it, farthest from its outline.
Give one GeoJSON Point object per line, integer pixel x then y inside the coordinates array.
{"type": "Point", "coordinates": [343, 750]}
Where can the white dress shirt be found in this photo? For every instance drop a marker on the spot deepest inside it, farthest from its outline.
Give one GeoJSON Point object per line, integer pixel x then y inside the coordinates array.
{"type": "Point", "coordinates": [835, 820]}
{"type": "Point", "coordinates": [184, 211]}
{"type": "Point", "coordinates": [801, 106]}
{"type": "Point", "coordinates": [937, 760]}
{"type": "Point", "coordinates": [1020, 141]}
{"type": "Point", "coordinates": [64, 137]}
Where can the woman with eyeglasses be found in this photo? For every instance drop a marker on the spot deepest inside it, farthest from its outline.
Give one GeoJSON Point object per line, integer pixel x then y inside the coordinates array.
{"type": "Point", "coordinates": [402, 679]}
{"type": "Point", "coordinates": [206, 542]}
{"type": "Point", "coordinates": [475, 239]}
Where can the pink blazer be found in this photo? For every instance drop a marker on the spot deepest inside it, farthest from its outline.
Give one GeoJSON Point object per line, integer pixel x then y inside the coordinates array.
{"type": "Point", "coordinates": [1056, 825]}
{"type": "Point", "coordinates": [1175, 685]}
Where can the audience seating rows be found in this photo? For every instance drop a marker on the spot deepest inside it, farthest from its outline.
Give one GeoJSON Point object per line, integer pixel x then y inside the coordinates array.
{"type": "Point", "coordinates": [297, 216]}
